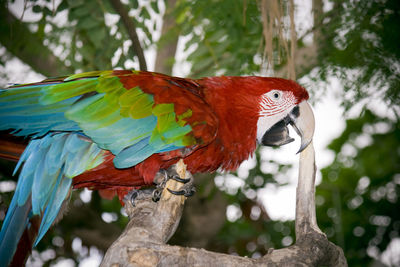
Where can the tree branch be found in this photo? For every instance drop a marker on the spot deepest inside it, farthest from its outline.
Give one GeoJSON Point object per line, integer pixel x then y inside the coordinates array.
{"type": "Point", "coordinates": [131, 29]}
{"type": "Point", "coordinates": [306, 219]}
{"type": "Point", "coordinates": [168, 42]}
{"type": "Point", "coordinates": [27, 46]}
{"type": "Point", "coordinates": [151, 225]}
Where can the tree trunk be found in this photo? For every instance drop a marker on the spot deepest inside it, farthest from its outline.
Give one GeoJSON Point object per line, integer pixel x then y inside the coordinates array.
{"type": "Point", "coordinates": [131, 30]}
{"type": "Point", "coordinates": [27, 46]}
{"type": "Point", "coordinates": [168, 41]}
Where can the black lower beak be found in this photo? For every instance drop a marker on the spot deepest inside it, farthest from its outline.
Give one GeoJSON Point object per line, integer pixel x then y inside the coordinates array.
{"type": "Point", "coordinates": [301, 118]}
{"type": "Point", "coordinates": [278, 135]}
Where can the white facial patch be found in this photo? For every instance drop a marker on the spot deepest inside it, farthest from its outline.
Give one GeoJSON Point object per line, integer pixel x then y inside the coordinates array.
{"type": "Point", "coordinates": [274, 106]}
{"type": "Point", "coordinates": [276, 101]}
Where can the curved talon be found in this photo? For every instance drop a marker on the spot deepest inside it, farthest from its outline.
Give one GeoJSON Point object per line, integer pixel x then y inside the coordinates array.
{"type": "Point", "coordinates": [156, 195]}
{"type": "Point", "coordinates": [133, 197]}
{"type": "Point", "coordinates": [179, 179]}
{"type": "Point", "coordinates": [184, 192]}
{"type": "Point", "coordinates": [163, 176]}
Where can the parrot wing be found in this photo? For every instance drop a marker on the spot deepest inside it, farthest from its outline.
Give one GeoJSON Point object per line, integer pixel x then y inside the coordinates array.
{"type": "Point", "coordinates": [132, 114]}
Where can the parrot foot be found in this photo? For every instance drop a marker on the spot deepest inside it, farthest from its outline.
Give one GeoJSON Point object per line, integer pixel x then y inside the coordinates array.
{"type": "Point", "coordinates": [187, 189]}
{"type": "Point", "coordinates": [163, 176]}
{"type": "Point", "coordinates": [137, 195]}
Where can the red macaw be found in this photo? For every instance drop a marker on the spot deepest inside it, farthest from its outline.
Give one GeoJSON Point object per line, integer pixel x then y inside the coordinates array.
{"type": "Point", "coordinates": [114, 130]}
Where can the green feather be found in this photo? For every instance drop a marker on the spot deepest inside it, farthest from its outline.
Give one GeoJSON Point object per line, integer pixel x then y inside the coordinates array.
{"type": "Point", "coordinates": [88, 74]}
{"type": "Point", "coordinates": [188, 140]}
{"type": "Point", "coordinates": [109, 84]}
{"type": "Point", "coordinates": [165, 122]}
{"type": "Point", "coordinates": [130, 96]}
{"type": "Point", "coordinates": [94, 112]}
{"type": "Point", "coordinates": [162, 109]}
{"type": "Point", "coordinates": [62, 91]}
{"type": "Point", "coordinates": [168, 129]}
{"type": "Point", "coordinates": [181, 118]}
{"type": "Point", "coordinates": [136, 104]}
{"type": "Point", "coordinates": [142, 107]}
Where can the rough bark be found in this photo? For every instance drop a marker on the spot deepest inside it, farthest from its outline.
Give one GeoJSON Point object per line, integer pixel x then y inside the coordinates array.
{"type": "Point", "coordinates": [131, 30]}
{"type": "Point", "coordinates": [152, 224]}
{"type": "Point", "coordinates": [27, 46]}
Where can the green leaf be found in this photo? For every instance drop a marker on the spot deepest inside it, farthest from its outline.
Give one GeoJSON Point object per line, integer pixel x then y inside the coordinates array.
{"type": "Point", "coordinates": [62, 6]}
{"type": "Point", "coordinates": [82, 12]}
{"type": "Point", "coordinates": [97, 36]}
{"type": "Point", "coordinates": [47, 11]}
{"type": "Point", "coordinates": [135, 4]}
{"type": "Point", "coordinates": [75, 3]}
{"type": "Point", "coordinates": [145, 13]}
{"type": "Point", "coordinates": [154, 6]}
{"type": "Point", "coordinates": [87, 23]}
{"type": "Point", "coordinates": [37, 9]}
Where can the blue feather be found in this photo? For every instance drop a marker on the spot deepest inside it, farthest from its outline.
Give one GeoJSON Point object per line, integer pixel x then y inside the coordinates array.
{"type": "Point", "coordinates": [177, 131]}
{"type": "Point", "coordinates": [23, 112]}
{"type": "Point", "coordinates": [73, 144]}
{"type": "Point", "coordinates": [53, 157]}
{"type": "Point", "coordinates": [169, 148]}
{"type": "Point", "coordinates": [13, 227]}
{"type": "Point", "coordinates": [44, 183]}
{"type": "Point", "coordinates": [134, 154]}
{"type": "Point", "coordinates": [23, 158]}
{"type": "Point", "coordinates": [114, 137]}
{"type": "Point", "coordinates": [59, 193]}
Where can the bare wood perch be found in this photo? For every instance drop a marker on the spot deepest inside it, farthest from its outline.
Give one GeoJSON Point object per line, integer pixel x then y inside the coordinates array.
{"type": "Point", "coordinates": [152, 224]}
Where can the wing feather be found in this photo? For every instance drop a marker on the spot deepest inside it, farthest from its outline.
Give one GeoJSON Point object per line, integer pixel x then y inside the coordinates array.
{"type": "Point", "coordinates": [121, 111]}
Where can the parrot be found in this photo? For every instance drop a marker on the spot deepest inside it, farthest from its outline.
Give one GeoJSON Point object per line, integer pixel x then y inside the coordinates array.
{"type": "Point", "coordinates": [113, 131]}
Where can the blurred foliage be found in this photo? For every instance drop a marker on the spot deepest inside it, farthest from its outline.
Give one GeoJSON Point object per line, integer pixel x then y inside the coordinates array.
{"type": "Point", "coordinates": [88, 35]}
{"type": "Point", "coordinates": [227, 35]}
{"type": "Point", "coordinates": [358, 198]}
{"type": "Point", "coordinates": [360, 45]}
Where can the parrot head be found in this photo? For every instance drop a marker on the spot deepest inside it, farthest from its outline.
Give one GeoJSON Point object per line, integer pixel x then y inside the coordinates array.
{"type": "Point", "coordinates": [284, 103]}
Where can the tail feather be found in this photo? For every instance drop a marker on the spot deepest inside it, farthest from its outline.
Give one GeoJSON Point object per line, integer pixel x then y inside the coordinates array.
{"type": "Point", "coordinates": [63, 185]}
{"type": "Point", "coordinates": [14, 226]}
{"type": "Point", "coordinates": [41, 189]}
{"type": "Point", "coordinates": [25, 243]}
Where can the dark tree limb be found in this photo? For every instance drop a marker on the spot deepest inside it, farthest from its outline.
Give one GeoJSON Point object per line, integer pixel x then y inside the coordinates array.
{"type": "Point", "coordinates": [27, 46]}
{"type": "Point", "coordinates": [131, 29]}
{"type": "Point", "coordinates": [143, 241]}
{"type": "Point", "coordinates": [168, 42]}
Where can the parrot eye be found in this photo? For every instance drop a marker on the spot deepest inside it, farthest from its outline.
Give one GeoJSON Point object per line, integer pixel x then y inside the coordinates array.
{"type": "Point", "coordinates": [275, 95]}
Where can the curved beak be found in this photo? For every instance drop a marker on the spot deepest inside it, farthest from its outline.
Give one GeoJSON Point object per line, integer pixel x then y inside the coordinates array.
{"type": "Point", "coordinates": [303, 123]}
{"type": "Point", "coordinates": [302, 120]}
